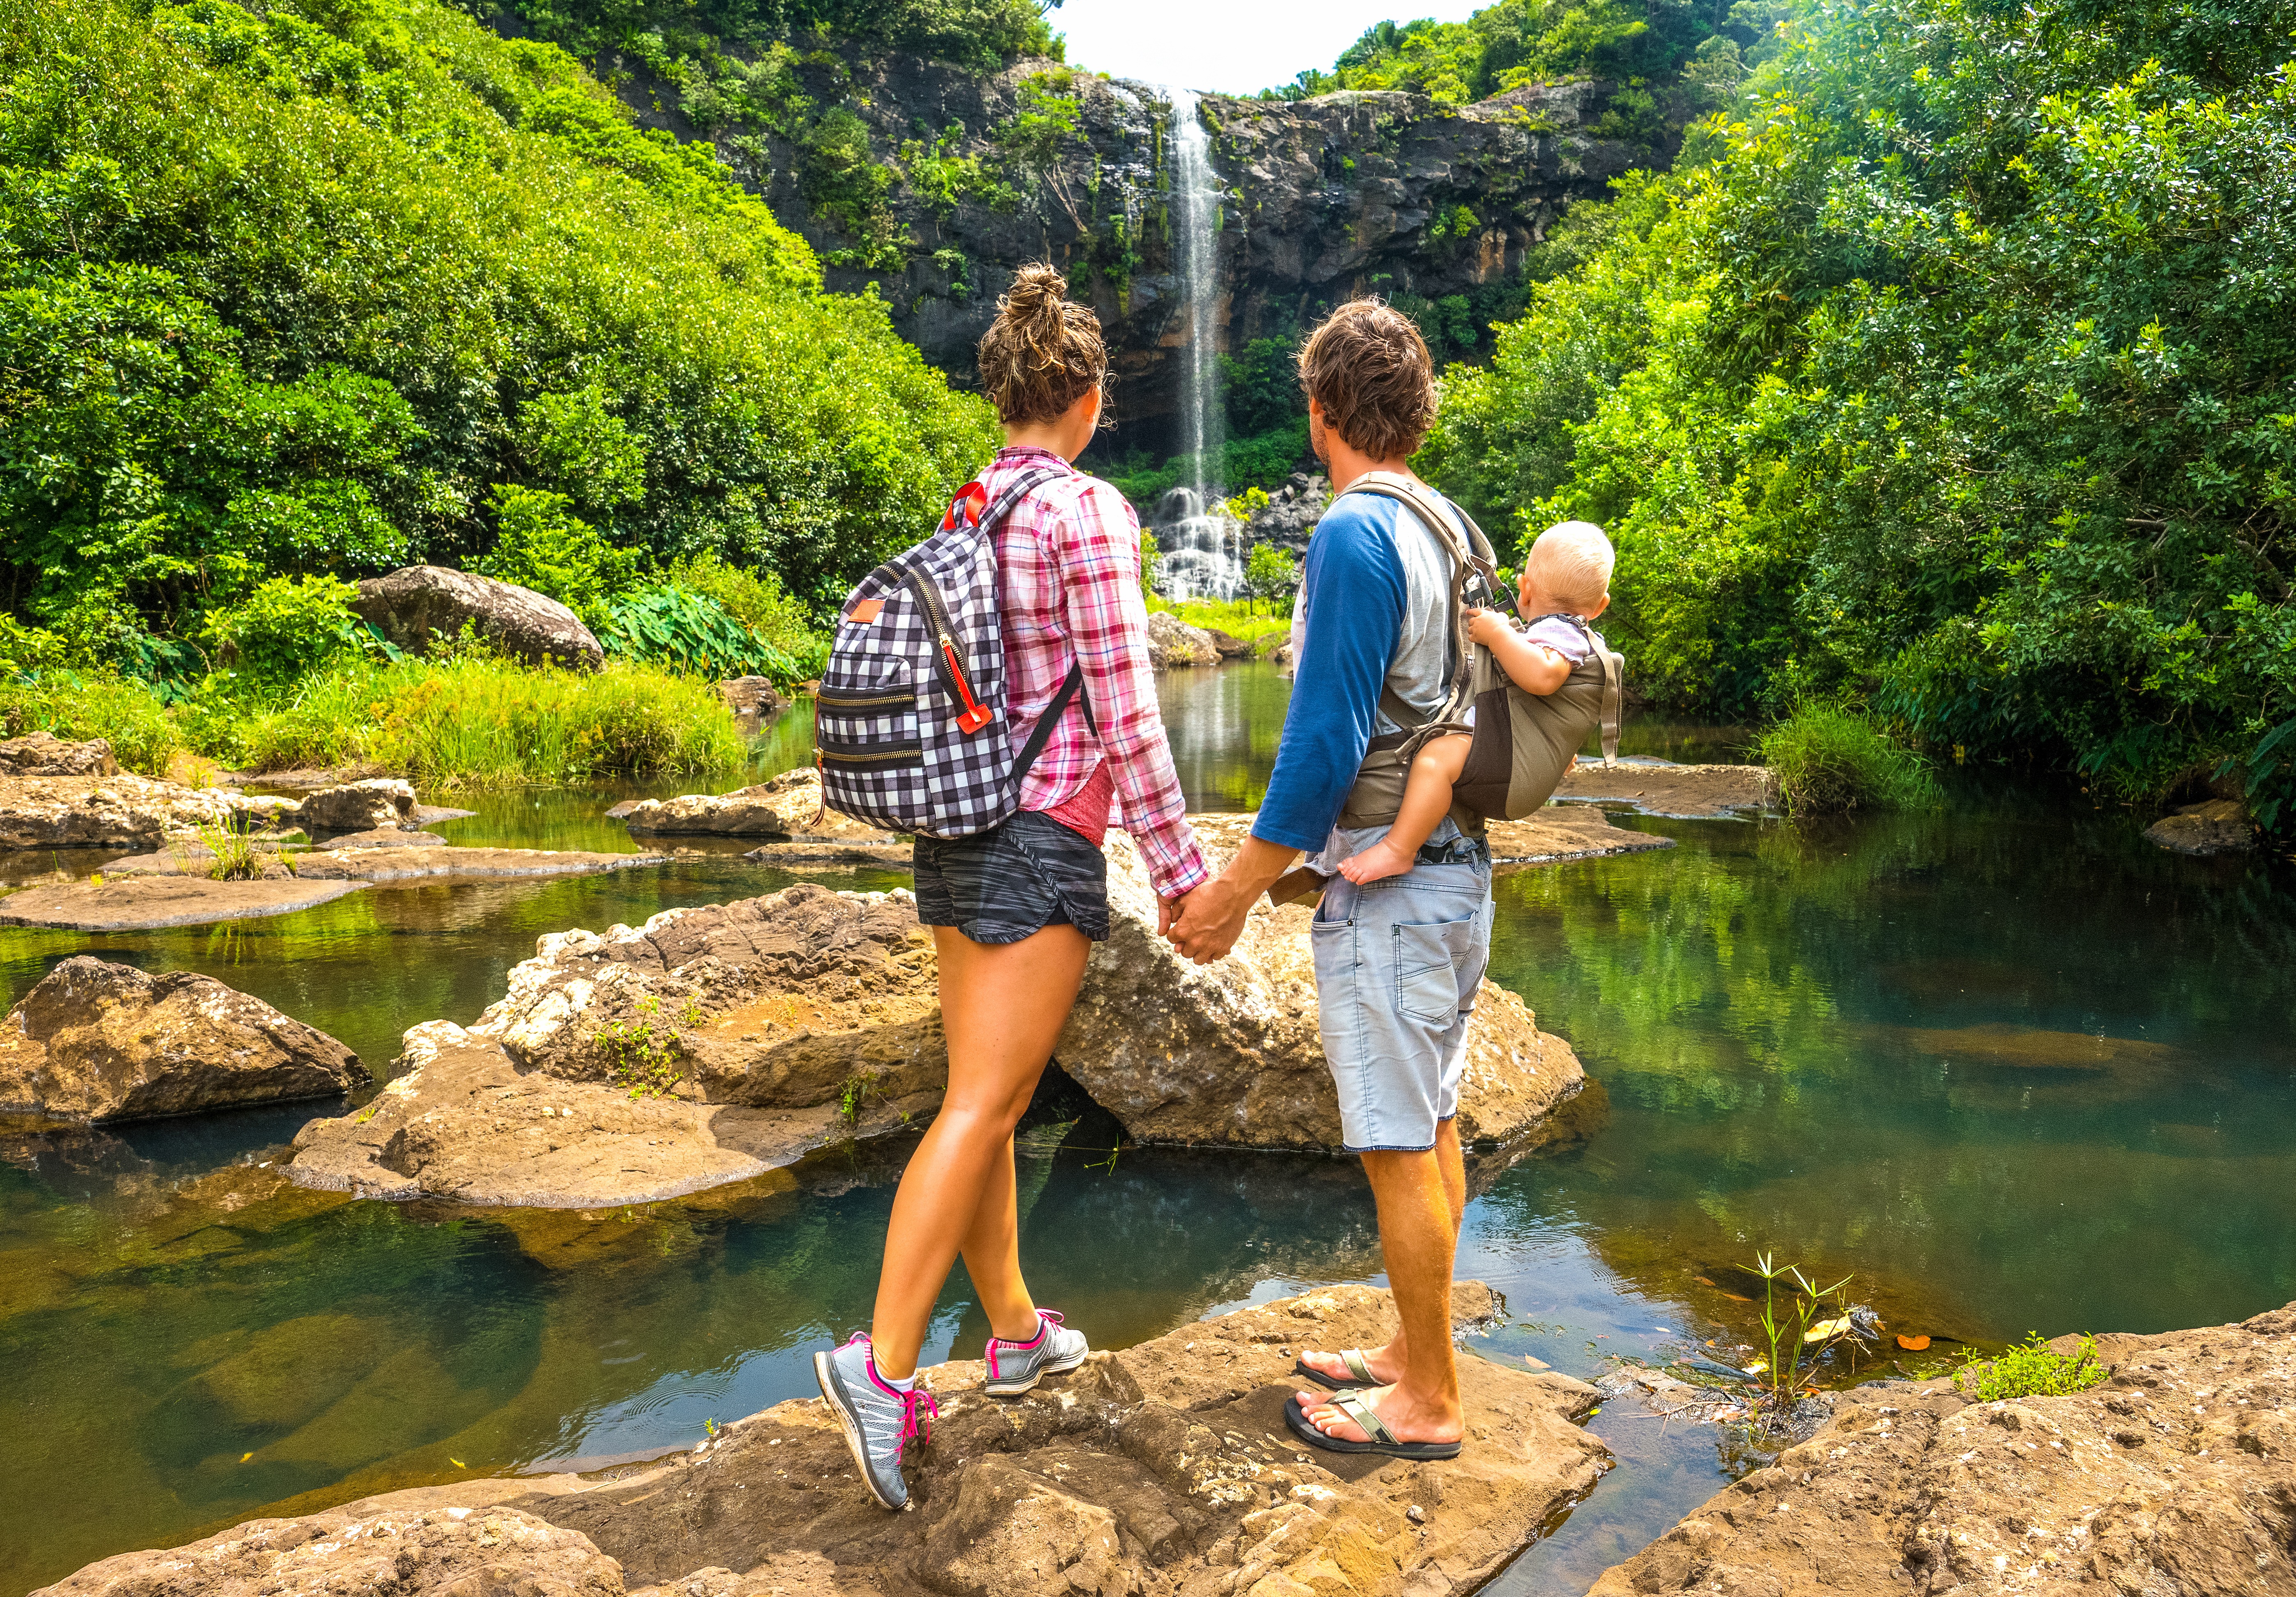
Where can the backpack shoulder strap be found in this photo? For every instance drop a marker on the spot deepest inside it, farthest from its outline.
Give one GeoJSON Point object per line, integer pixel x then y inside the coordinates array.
{"type": "Point", "coordinates": [1468, 560]}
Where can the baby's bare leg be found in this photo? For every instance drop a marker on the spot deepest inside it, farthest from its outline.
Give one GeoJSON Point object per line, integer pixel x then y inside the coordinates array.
{"type": "Point", "coordinates": [1426, 800]}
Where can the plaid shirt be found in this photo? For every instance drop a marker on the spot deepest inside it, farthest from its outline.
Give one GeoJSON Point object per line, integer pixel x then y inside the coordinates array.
{"type": "Point", "coordinates": [1068, 562]}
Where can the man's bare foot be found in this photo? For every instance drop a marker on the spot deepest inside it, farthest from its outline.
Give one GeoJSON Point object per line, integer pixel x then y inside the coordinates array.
{"type": "Point", "coordinates": [1406, 1419]}
{"type": "Point", "coordinates": [1382, 859]}
{"type": "Point", "coordinates": [1385, 1365]}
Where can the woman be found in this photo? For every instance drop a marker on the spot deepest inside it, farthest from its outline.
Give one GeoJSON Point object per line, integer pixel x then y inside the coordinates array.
{"type": "Point", "coordinates": [1015, 909]}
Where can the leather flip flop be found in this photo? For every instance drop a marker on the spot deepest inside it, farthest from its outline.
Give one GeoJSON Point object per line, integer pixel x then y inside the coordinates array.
{"type": "Point", "coordinates": [1358, 1372]}
{"type": "Point", "coordinates": [1356, 1407]}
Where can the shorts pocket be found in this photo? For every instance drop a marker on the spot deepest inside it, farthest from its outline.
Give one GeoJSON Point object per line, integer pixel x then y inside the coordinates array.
{"type": "Point", "coordinates": [1427, 956]}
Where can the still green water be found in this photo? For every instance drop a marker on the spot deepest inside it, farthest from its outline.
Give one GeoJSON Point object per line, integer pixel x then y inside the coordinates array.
{"type": "Point", "coordinates": [2009, 1065]}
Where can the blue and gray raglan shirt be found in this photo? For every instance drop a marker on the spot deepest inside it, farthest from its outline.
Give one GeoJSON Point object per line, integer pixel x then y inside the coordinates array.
{"type": "Point", "coordinates": [1375, 598]}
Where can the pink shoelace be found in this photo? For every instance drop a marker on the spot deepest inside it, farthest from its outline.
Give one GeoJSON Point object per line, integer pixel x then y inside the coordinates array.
{"type": "Point", "coordinates": [914, 1427]}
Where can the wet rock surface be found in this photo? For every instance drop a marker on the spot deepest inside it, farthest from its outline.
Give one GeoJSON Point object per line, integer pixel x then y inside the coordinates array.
{"type": "Point", "coordinates": [410, 1551]}
{"type": "Point", "coordinates": [1561, 833]}
{"type": "Point", "coordinates": [1160, 1470]}
{"type": "Point", "coordinates": [2215, 826]}
{"type": "Point", "coordinates": [1229, 1053]}
{"type": "Point", "coordinates": [133, 901]}
{"type": "Point", "coordinates": [2179, 1474]}
{"type": "Point", "coordinates": [412, 604]}
{"type": "Point", "coordinates": [97, 1042]}
{"type": "Point", "coordinates": [1658, 788]}
{"type": "Point", "coordinates": [44, 754]}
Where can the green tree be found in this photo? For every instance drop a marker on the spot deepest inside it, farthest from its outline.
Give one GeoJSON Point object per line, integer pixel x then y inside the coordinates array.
{"type": "Point", "coordinates": [1269, 573]}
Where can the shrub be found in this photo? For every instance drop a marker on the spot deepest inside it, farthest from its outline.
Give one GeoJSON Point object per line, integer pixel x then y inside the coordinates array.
{"type": "Point", "coordinates": [286, 627]}
{"type": "Point", "coordinates": [94, 704]}
{"type": "Point", "coordinates": [2030, 1370]}
{"type": "Point", "coordinates": [672, 625]}
{"type": "Point", "coordinates": [1828, 757]}
{"type": "Point", "coordinates": [755, 598]}
{"type": "Point", "coordinates": [541, 544]}
{"type": "Point", "coordinates": [478, 722]}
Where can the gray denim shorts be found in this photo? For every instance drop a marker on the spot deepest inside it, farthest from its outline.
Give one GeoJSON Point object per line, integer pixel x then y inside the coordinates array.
{"type": "Point", "coordinates": [1397, 964]}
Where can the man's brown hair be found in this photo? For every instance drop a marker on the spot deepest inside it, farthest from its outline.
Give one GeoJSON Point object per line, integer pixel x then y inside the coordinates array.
{"type": "Point", "coordinates": [1044, 352]}
{"type": "Point", "coordinates": [1369, 369]}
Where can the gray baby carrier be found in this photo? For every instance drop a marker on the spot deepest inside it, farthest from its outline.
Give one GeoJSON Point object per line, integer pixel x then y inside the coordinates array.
{"type": "Point", "coordinates": [1524, 742]}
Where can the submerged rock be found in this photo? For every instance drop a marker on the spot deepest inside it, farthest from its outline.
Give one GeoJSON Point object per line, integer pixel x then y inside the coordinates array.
{"type": "Point", "coordinates": [97, 1042]}
{"type": "Point", "coordinates": [412, 604]}
{"type": "Point", "coordinates": [1172, 642]}
{"type": "Point", "coordinates": [1160, 1470]}
{"type": "Point", "coordinates": [2179, 1474]}
{"type": "Point", "coordinates": [358, 805]}
{"type": "Point", "coordinates": [181, 897]}
{"type": "Point", "coordinates": [44, 754]}
{"type": "Point", "coordinates": [415, 1551]}
{"type": "Point", "coordinates": [2216, 826]}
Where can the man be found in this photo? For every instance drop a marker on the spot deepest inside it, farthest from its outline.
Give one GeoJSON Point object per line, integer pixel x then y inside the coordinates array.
{"type": "Point", "coordinates": [1398, 961]}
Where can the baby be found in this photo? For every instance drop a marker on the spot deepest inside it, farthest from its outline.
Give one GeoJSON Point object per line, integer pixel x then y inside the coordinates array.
{"type": "Point", "coordinates": [1568, 573]}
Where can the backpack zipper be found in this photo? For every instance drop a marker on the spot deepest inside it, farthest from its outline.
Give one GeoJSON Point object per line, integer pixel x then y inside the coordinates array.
{"type": "Point", "coordinates": [975, 715]}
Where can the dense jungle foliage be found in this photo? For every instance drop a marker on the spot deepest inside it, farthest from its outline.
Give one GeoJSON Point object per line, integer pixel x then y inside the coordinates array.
{"type": "Point", "coordinates": [326, 287]}
{"type": "Point", "coordinates": [1953, 371]}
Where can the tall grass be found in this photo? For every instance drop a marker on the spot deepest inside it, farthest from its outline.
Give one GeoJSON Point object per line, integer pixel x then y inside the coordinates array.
{"type": "Point", "coordinates": [1251, 622]}
{"type": "Point", "coordinates": [1828, 757]}
{"type": "Point", "coordinates": [484, 723]}
{"type": "Point", "coordinates": [79, 706]}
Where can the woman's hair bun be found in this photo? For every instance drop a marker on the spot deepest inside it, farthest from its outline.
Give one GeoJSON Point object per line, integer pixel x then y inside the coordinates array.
{"type": "Point", "coordinates": [1044, 352]}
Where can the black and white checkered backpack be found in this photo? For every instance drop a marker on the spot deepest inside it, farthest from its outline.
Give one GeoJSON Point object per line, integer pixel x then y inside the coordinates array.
{"type": "Point", "coordinates": [909, 725]}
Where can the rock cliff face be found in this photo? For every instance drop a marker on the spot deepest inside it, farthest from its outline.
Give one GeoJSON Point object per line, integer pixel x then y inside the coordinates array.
{"type": "Point", "coordinates": [1322, 199]}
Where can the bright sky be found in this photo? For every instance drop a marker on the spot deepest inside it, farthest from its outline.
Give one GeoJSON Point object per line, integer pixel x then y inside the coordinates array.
{"type": "Point", "coordinates": [1230, 47]}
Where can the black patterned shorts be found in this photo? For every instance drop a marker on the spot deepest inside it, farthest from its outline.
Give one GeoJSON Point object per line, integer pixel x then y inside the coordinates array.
{"type": "Point", "coordinates": [1013, 881]}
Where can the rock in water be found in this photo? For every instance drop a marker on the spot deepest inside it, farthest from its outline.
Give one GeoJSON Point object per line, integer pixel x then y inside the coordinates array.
{"type": "Point", "coordinates": [753, 700]}
{"type": "Point", "coordinates": [1229, 1054]}
{"type": "Point", "coordinates": [783, 808]}
{"type": "Point", "coordinates": [44, 754]}
{"type": "Point", "coordinates": [94, 1041]}
{"type": "Point", "coordinates": [1172, 642]}
{"type": "Point", "coordinates": [1163, 1470]}
{"type": "Point", "coordinates": [2218, 826]}
{"type": "Point", "coordinates": [119, 811]}
{"type": "Point", "coordinates": [411, 1551]}
{"type": "Point", "coordinates": [1227, 644]}
{"type": "Point", "coordinates": [2179, 1474]}
{"type": "Point", "coordinates": [412, 604]}
{"type": "Point", "coordinates": [358, 805]}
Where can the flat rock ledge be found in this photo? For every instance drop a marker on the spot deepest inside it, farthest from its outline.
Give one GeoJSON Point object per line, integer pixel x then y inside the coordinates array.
{"type": "Point", "coordinates": [405, 856]}
{"type": "Point", "coordinates": [1659, 788]}
{"type": "Point", "coordinates": [2216, 826]}
{"type": "Point", "coordinates": [120, 810]}
{"type": "Point", "coordinates": [787, 810]}
{"type": "Point", "coordinates": [1163, 1470]}
{"type": "Point", "coordinates": [98, 1042]}
{"type": "Point", "coordinates": [2177, 1475]}
{"type": "Point", "coordinates": [144, 903]}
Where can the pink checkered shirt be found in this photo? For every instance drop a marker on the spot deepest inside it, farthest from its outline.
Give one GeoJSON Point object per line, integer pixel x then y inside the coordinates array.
{"type": "Point", "coordinates": [1067, 565]}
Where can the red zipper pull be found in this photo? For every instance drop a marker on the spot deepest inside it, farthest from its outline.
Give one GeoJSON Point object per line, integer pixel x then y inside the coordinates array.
{"type": "Point", "coordinates": [975, 716]}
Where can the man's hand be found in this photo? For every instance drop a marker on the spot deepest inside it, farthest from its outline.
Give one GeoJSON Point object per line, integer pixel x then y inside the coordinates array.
{"type": "Point", "coordinates": [1212, 917]}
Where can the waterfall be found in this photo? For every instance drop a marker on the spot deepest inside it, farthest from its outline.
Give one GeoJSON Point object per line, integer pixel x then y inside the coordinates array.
{"type": "Point", "coordinates": [1203, 553]}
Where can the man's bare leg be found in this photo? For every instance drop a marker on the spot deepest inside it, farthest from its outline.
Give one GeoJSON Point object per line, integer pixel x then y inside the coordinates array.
{"type": "Point", "coordinates": [1426, 800]}
{"type": "Point", "coordinates": [1387, 1363]}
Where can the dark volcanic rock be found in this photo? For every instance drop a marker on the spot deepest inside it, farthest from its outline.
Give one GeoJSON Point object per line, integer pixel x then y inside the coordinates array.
{"type": "Point", "coordinates": [94, 1041]}
{"type": "Point", "coordinates": [412, 603]}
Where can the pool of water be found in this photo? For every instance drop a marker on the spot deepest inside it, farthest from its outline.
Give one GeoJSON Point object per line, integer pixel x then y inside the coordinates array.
{"type": "Point", "coordinates": [2008, 1066]}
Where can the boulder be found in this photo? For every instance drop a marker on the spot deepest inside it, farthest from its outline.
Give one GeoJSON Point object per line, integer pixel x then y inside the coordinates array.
{"type": "Point", "coordinates": [97, 1042]}
{"type": "Point", "coordinates": [787, 807]}
{"type": "Point", "coordinates": [754, 700]}
{"type": "Point", "coordinates": [409, 1552]}
{"type": "Point", "coordinates": [121, 811]}
{"type": "Point", "coordinates": [1172, 642]}
{"type": "Point", "coordinates": [358, 805]}
{"type": "Point", "coordinates": [2179, 1474]}
{"type": "Point", "coordinates": [138, 903]}
{"type": "Point", "coordinates": [412, 604]}
{"type": "Point", "coordinates": [2217, 826]}
{"type": "Point", "coordinates": [1161, 1470]}
{"type": "Point", "coordinates": [44, 754]}
{"type": "Point", "coordinates": [1227, 644]}
{"type": "Point", "coordinates": [1228, 1053]}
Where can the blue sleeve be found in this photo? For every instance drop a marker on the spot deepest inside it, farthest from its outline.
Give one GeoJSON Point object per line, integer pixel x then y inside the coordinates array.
{"type": "Point", "coordinates": [1353, 591]}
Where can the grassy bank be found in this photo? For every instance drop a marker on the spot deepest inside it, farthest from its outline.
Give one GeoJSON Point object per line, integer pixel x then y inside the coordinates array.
{"type": "Point", "coordinates": [1256, 624]}
{"type": "Point", "coordinates": [464, 723]}
{"type": "Point", "coordinates": [1828, 757]}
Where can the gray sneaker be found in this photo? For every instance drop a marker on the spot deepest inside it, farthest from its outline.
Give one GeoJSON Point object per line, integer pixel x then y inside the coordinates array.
{"type": "Point", "coordinates": [1016, 1367]}
{"type": "Point", "coordinates": [878, 1421]}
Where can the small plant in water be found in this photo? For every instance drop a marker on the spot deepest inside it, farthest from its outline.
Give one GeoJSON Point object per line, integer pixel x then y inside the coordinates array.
{"type": "Point", "coordinates": [1794, 1327]}
{"type": "Point", "coordinates": [2029, 1368]}
{"type": "Point", "coordinates": [226, 838]}
{"type": "Point", "coordinates": [640, 1058]}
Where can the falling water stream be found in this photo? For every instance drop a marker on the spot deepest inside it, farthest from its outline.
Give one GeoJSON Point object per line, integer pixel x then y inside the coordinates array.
{"type": "Point", "coordinates": [1203, 553]}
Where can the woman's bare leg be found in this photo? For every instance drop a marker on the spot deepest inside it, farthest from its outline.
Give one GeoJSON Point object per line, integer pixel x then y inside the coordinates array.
{"type": "Point", "coordinates": [1002, 1009]}
{"type": "Point", "coordinates": [1426, 800]}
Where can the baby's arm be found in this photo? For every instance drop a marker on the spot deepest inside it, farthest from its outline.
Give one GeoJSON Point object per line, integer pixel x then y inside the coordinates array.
{"type": "Point", "coordinates": [1533, 668]}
